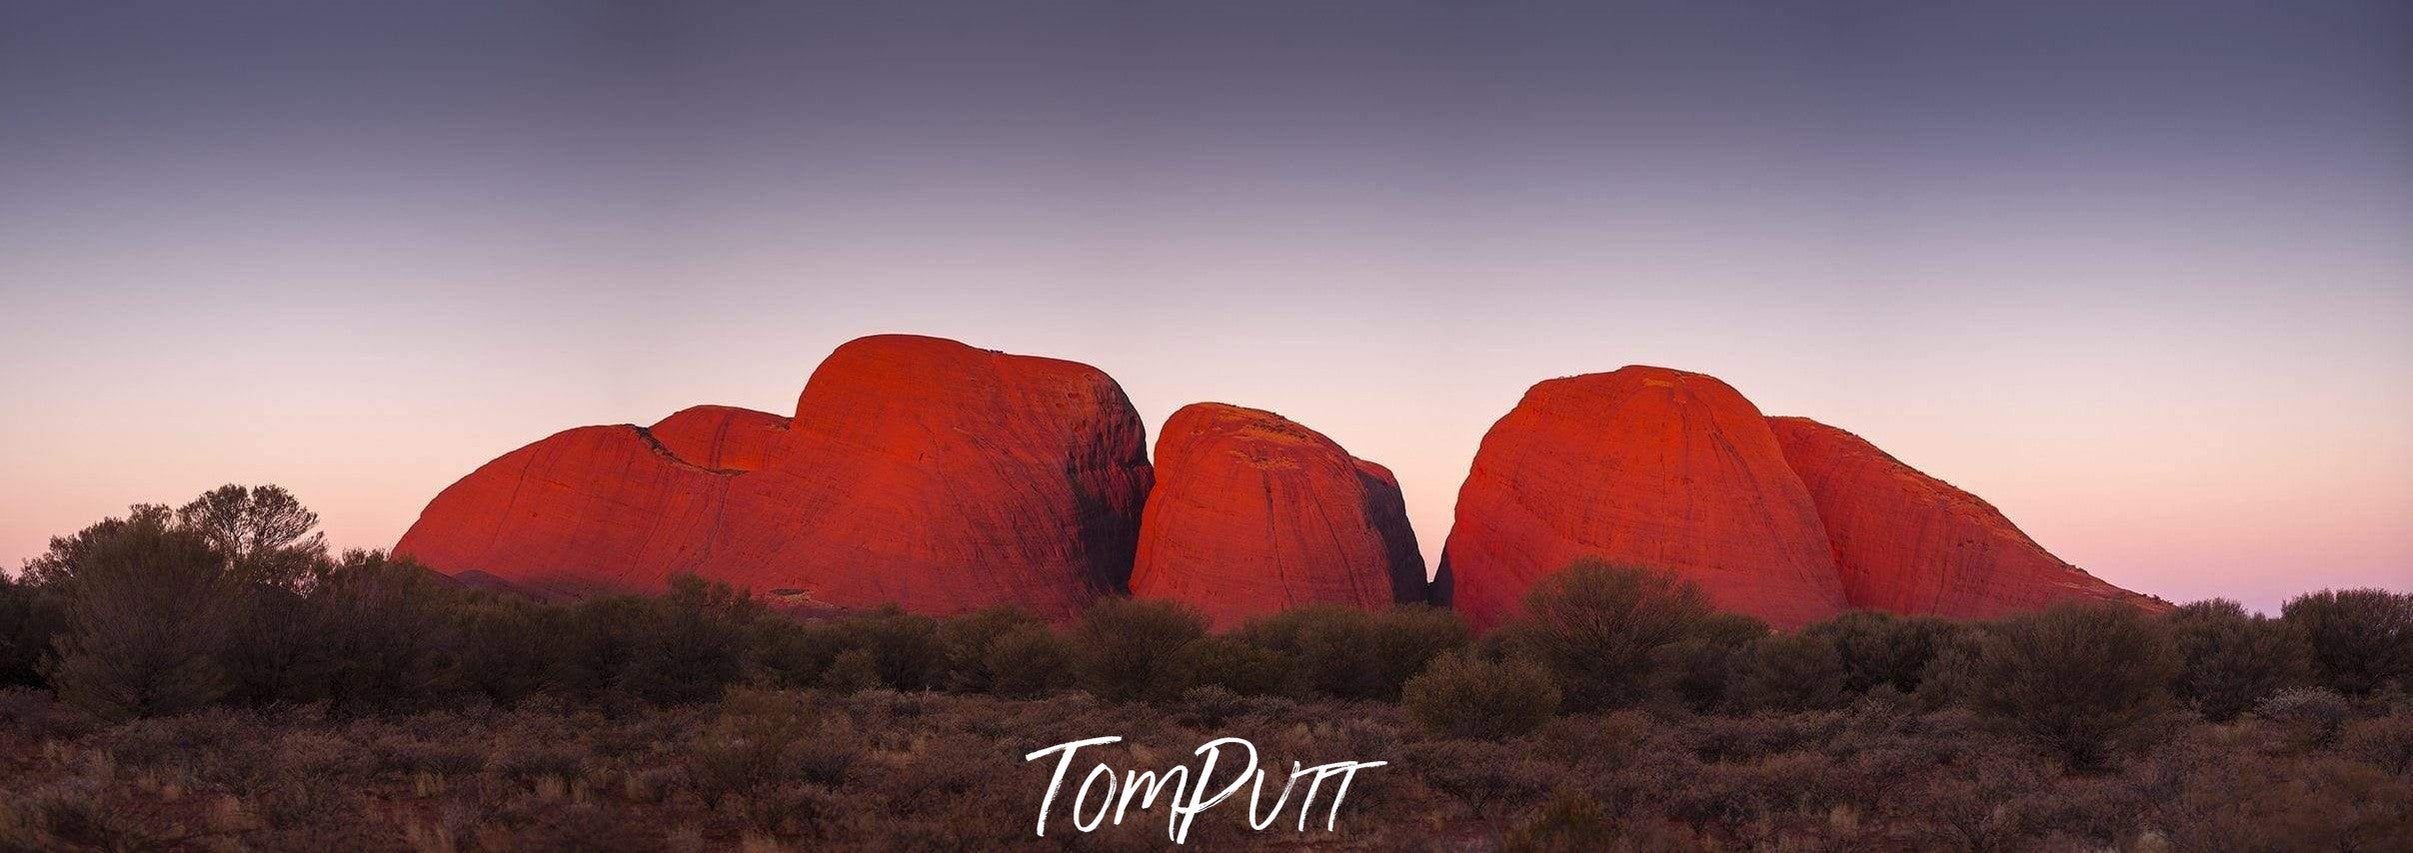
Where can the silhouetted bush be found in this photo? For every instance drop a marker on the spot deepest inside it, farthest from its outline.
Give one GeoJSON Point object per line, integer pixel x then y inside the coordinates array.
{"type": "Point", "coordinates": [905, 647]}
{"type": "Point", "coordinates": [1125, 648]}
{"type": "Point", "coordinates": [1611, 634]}
{"type": "Point", "coordinates": [2229, 659]}
{"type": "Point", "coordinates": [1465, 695]}
{"type": "Point", "coordinates": [31, 620]}
{"type": "Point", "coordinates": [2083, 680]}
{"type": "Point", "coordinates": [2362, 639]}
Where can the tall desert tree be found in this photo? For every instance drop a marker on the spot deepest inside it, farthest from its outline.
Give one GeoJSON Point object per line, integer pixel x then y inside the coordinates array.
{"type": "Point", "coordinates": [266, 535]}
{"type": "Point", "coordinates": [149, 608]}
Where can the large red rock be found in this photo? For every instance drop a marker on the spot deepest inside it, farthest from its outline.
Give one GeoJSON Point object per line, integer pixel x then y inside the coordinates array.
{"type": "Point", "coordinates": [917, 471]}
{"type": "Point", "coordinates": [720, 437]}
{"type": "Point", "coordinates": [1909, 543]}
{"type": "Point", "coordinates": [1254, 514]}
{"type": "Point", "coordinates": [1640, 466]}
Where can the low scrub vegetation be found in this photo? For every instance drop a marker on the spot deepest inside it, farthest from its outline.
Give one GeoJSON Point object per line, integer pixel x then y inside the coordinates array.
{"type": "Point", "coordinates": [209, 677]}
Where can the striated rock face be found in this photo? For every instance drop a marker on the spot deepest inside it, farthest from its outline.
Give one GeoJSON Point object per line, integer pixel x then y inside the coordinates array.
{"type": "Point", "coordinates": [917, 470]}
{"type": "Point", "coordinates": [1253, 514]}
{"type": "Point", "coordinates": [1908, 543]}
{"type": "Point", "coordinates": [721, 437]}
{"type": "Point", "coordinates": [1646, 466]}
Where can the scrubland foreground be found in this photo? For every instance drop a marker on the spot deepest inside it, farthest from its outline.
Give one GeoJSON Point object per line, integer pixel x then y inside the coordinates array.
{"type": "Point", "coordinates": [209, 678]}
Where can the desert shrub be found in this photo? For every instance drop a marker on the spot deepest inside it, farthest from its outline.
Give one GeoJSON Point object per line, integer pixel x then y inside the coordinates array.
{"type": "Point", "coordinates": [1489, 778]}
{"type": "Point", "coordinates": [501, 649]}
{"type": "Point", "coordinates": [1611, 634]}
{"type": "Point", "coordinates": [1570, 821]}
{"type": "Point", "coordinates": [1702, 668]}
{"type": "Point", "coordinates": [1124, 648]}
{"type": "Point", "coordinates": [2229, 659]}
{"type": "Point", "coordinates": [1880, 649]}
{"type": "Point", "coordinates": [852, 670]}
{"type": "Point", "coordinates": [2385, 742]}
{"type": "Point", "coordinates": [2362, 639]}
{"type": "Point", "coordinates": [1466, 695]}
{"type": "Point", "coordinates": [760, 740]}
{"type": "Point", "coordinates": [1028, 661]}
{"type": "Point", "coordinates": [693, 641]}
{"type": "Point", "coordinates": [968, 639]}
{"type": "Point", "coordinates": [1790, 672]}
{"type": "Point", "coordinates": [2250, 802]}
{"type": "Point", "coordinates": [1232, 664]}
{"type": "Point", "coordinates": [376, 633]}
{"type": "Point", "coordinates": [31, 620]}
{"type": "Point", "coordinates": [150, 608]}
{"type": "Point", "coordinates": [2313, 715]}
{"type": "Point", "coordinates": [1350, 653]}
{"type": "Point", "coordinates": [2083, 680]}
{"type": "Point", "coordinates": [907, 648]}
{"type": "Point", "coordinates": [269, 649]}
{"type": "Point", "coordinates": [1972, 807]}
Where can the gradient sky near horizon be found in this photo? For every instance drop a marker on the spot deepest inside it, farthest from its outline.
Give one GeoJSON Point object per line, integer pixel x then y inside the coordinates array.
{"type": "Point", "coordinates": [2143, 278]}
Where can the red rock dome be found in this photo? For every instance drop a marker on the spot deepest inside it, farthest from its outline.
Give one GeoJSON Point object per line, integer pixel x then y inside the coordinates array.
{"type": "Point", "coordinates": [917, 470]}
{"type": "Point", "coordinates": [1253, 514]}
{"type": "Point", "coordinates": [1909, 543]}
{"type": "Point", "coordinates": [1644, 466]}
{"type": "Point", "coordinates": [722, 437]}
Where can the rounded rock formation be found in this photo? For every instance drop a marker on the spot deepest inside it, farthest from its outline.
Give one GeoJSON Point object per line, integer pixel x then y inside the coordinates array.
{"type": "Point", "coordinates": [917, 471]}
{"type": "Point", "coordinates": [1641, 466]}
{"type": "Point", "coordinates": [725, 438]}
{"type": "Point", "coordinates": [1253, 514]}
{"type": "Point", "coordinates": [1909, 543]}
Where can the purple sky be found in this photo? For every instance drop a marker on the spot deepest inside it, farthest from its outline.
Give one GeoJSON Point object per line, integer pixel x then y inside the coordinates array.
{"type": "Point", "coordinates": [2142, 279]}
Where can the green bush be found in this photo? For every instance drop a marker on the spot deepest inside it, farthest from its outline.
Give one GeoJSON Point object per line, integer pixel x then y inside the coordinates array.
{"type": "Point", "coordinates": [1029, 661]}
{"type": "Point", "coordinates": [2362, 639]}
{"type": "Point", "coordinates": [1124, 649]}
{"type": "Point", "coordinates": [1791, 672]}
{"type": "Point", "coordinates": [1881, 649]}
{"type": "Point", "coordinates": [1466, 695]}
{"type": "Point", "coordinates": [150, 608]}
{"type": "Point", "coordinates": [377, 630]}
{"type": "Point", "coordinates": [1613, 635]}
{"type": "Point", "coordinates": [2083, 680]}
{"type": "Point", "coordinates": [1350, 653]}
{"type": "Point", "coordinates": [969, 638]}
{"type": "Point", "coordinates": [1232, 664]}
{"type": "Point", "coordinates": [906, 647]}
{"type": "Point", "coordinates": [2229, 659]}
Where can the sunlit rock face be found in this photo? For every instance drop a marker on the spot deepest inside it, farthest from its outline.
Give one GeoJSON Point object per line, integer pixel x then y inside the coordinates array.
{"type": "Point", "coordinates": [1909, 543]}
{"type": "Point", "coordinates": [1642, 466]}
{"type": "Point", "coordinates": [916, 470]}
{"type": "Point", "coordinates": [720, 437]}
{"type": "Point", "coordinates": [1253, 514]}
